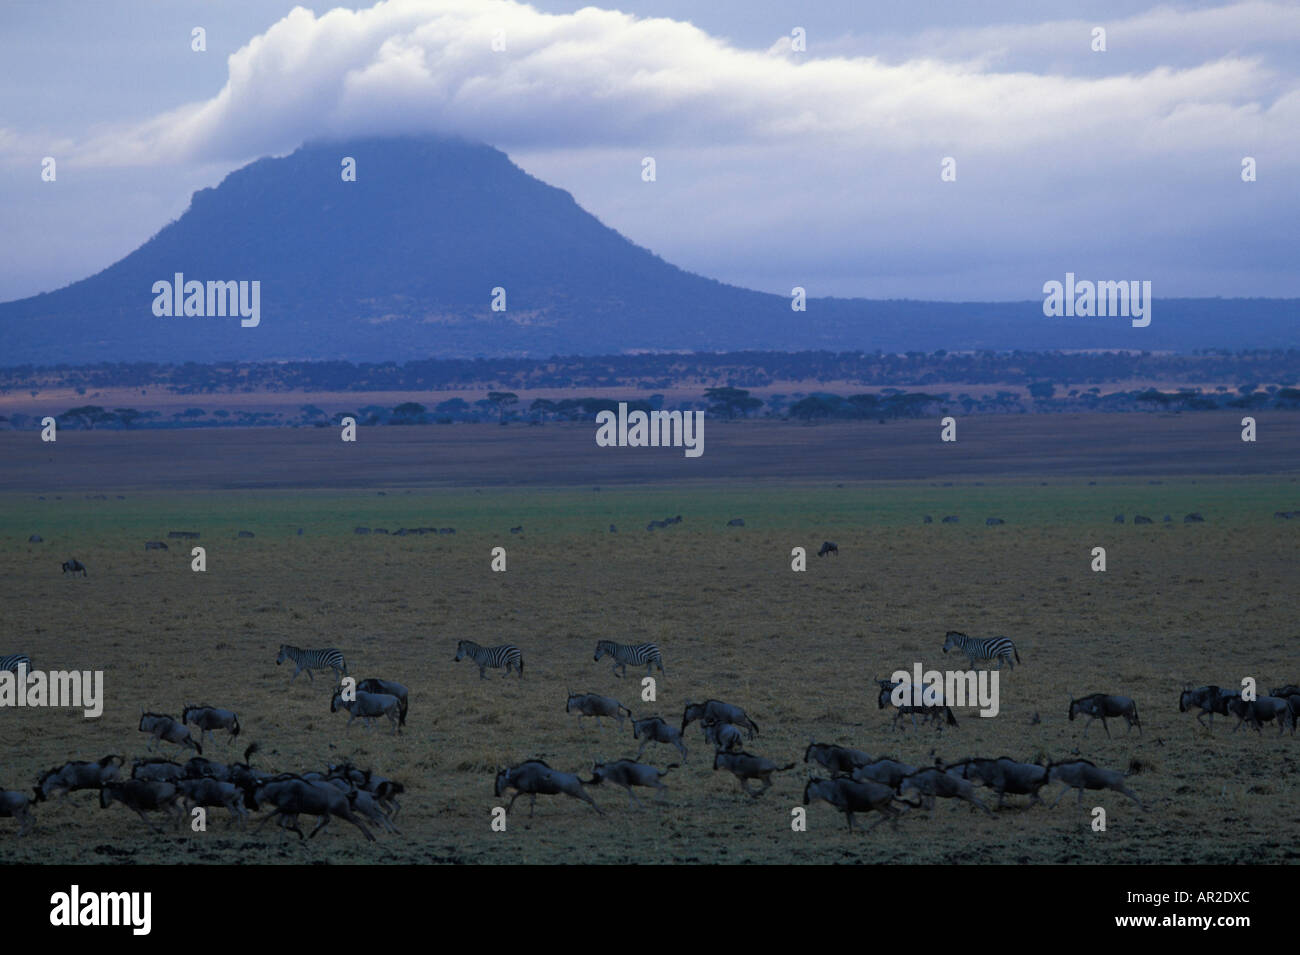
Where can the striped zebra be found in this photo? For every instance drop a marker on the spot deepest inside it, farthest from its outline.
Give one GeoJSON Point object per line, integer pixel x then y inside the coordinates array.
{"type": "Point", "coordinates": [636, 654]}
{"type": "Point", "coordinates": [506, 655]}
{"type": "Point", "coordinates": [989, 648]}
{"type": "Point", "coordinates": [14, 661]}
{"type": "Point", "coordinates": [328, 659]}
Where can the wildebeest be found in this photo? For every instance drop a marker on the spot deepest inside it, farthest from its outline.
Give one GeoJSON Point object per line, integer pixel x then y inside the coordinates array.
{"type": "Point", "coordinates": [75, 567]}
{"type": "Point", "coordinates": [839, 760]}
{"type": "Point", "coordinates": [76, 775]}
{"type": "Point", "coordinates": [1006, 775]}
{"type": "Point", "coordinates": [155, 545]}
{"type": "Point", "coordinates": [373, 685]}
{"type": "Point", "coordinates": [1100, 706]}
{"type": "Point", "coordinates": [294, 795]}
{"type": "Point", "coordinates": [593, 704]}
{"type": "Point", "coordinates": [517, 530]}
{"type": "Point", "coordinates": [1263, 709]}
{"type": "Point", "coordinates": [939, 713]}
{"type": "Point", "coordinates": [887, 771]}
{"type": "Point", "coordinates": [736, 522]}
{"type": "Point", "coordinates": [206, 791]}
{"type": "Point", "coordinates": [367, 706]}
{"type": "Point", "coordinates": [157, 769]}
{"type": "Point", "coordinates": [17, 805]}
{"type": "Point", "coordinates": [951, 519]}
{"type": "Point", "coordinates": [828, 547]}
{"type": "Point", "coordinates": [160, 726]}
{"type": "Point", "coordinates": [655, 730]}
{"type": "Point", "coordinates": [1082, 774]}
{"type": "Point", "coordinates": [746, 766]}
{"type": "Point", "coordinates": [850, 797]}
{"type": "Point", "coordinates": [719, 712]}
{"type": "Point", "coordinates": [535, 778]}
{"type": "Point", "coordinates": [36, 538]}
{"type": "Point", "coordinates": [933, 782]}
{"type": "Point", "coordinates": [1193, 519]}
{"type": "Point", "coordinates": [1208, 699]}
{"type": "Point", "coordinates": [143, 795]}
{"type": "Point", "coordinates": [994, 521]}
{"type": "Point", "coordinates": [209, 718]}
{"type": "Point", "coordinates": [628, 773]}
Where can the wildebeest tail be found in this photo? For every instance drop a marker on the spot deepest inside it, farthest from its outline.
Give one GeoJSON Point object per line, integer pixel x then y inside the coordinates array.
{"type": "Point", "coordinates": [235, 730]}
{"type": "Point", "coordinates": [1016, 652]}
{"type": "Point", "coordinates": [784, 768]}
{"type": "Point", "coordinates": [401, 717]}
{"type": "Point", "coordinates": [671, 767]}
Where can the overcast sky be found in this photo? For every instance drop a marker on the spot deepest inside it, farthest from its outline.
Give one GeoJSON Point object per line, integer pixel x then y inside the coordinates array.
{"type": "Point", "coordinates": [774, 167]}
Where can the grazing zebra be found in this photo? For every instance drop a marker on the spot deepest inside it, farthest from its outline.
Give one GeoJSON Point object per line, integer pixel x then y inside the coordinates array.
{"type": "Point", "coordinates": [506, 655]}
{"type": "Point", "coordinates": [623, 654]}
{"type": "Point", "coordinates": [989, 648]}
{"type": "Point", "coordinates": [15, 661]}
{"type": "Point", "coordinates": [309, 660]}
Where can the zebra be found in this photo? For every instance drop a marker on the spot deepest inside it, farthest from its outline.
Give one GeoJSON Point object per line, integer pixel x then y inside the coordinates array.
{"type": "Point", "coordinates": [636, 654]}
{"type": "Point", "coordinates": [989, 648]}
{"type": "Point", "coordinates": [506, 655]}
{"type": "Point", "coordinates": [16, 663]}
{"type": "Point", "coordinates": [309, 660]}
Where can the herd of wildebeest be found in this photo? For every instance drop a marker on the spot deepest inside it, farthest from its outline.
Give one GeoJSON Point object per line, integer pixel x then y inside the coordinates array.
{"type": "Point", "coordinates": [855, 781]}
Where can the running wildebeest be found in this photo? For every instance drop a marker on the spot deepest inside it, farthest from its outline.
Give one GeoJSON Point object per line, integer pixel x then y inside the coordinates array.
{"type": "Point", "coordinates": [1099, 706]}
{"type": "Point", "coordinates": [828, 547]}
{"type": "Point", "coordinates": [77, 775]}
{"type": "Point", "coordinates": [143, 796]}
{"type": "Point", "coordinates": [718, 712]}
{"type": "Point", "coordinates": [17, 805]}
{"type": "Point", "coordinates": [1263, 709]}
{"type": "Point", "coordinates": [367, 706]}
{"type": "Point", "coordinates": [1082, 774]}
{"type": "Point", "coordinates": [206, 791]}
{"type": "Point", "coordinates": [157, 769]}
{"type": "Point", "coordinates": [746, 766]}
{"type": "Point", "coordinates": [887, 771]}
{"type": "Point", "coordinates": [160, 726]}
{"type": "Point", "coordinates": [938, 713]}
{"type": "Point", "coordinates": [1005, 775]}
{"type": "Point", "coordinates": [723, 736]}
{"type": "Point", "coordinates": [933, 782]}
{"type": "Point", "coordinates": [592, 704]}
{"type": "Point", "coordinates": [373, 685]}
{"type": "Point", "coordinates": [849, 797]}
{"type": "Point", "coordinates": [75, 567]}
{"type": "Point", "coordinates": [535, 778]}
{"type": "Point", "coordinates": [839, 760]}
{"type": "Point", "coordinates": [628, 773]}
{"type": "Point", "coordinates": [655, 730]}
{"type": "Point", "coordinates": [294, 795]}
{"type": "Point", "coordinates": [209, 718]}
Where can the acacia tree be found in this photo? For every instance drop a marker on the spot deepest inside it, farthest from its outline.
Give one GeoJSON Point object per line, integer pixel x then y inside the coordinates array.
{"type": "Point", "coordinates": [503, 400]}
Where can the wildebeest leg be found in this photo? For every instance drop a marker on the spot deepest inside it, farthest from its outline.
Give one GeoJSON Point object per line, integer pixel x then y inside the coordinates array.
{"type": "Point", "coordinates": [324, 821]}
{"type": "Point", "coordinates": [352, 818]}
{"type": "Point", "coordinates": [532, 802]}
{"type": "Point", "coordinates": [644, 744]}
{"type": "Point", "coordinates": [140, 813]}
{"type": "Point", "coordinates": [582, 794]}
{"type": "Point", "coordinates": [509, 805]}
{"type": "Point", "coordinates": [1065, 790]}
{"type": "Point", "coordinates": [1131, 795]}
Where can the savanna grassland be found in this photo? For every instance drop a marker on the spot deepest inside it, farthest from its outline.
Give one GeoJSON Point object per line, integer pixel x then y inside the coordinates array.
{"type": "Point", "coordinates": [1179, 603]}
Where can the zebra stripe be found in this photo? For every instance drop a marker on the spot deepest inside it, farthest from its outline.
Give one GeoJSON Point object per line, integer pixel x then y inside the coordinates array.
{"type": "Point", "coordinates": [324, 659]}
{"type": "Point", "coordinates": [636, 654]}
{"type": "Point", "coordinates": [506, 655]}
{"type": "Point", "coordinates": [986, 648]}
{"type": "Point", "coordinates": [15, 660]}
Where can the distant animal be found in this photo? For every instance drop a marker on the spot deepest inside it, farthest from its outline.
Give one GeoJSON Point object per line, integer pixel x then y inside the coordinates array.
{"type": "Point", "coordinates": [535, 778]}
{"type": "Point", "coordinates": [746, 766]}
{"type": "Point", "coordinates": [636, 654]}
{"type": "Point", "coordinates": [592, 704]}
{"type": "Point", "coordinates": [613, 529]}
{"type": "Point", "coordinates": [1193, 519]}
{"type": "Point", "coordinates": [828, 547]}
{"type": "Point", "coordinates": [155, 545]}
{"type": "Point", "coordinates": [628, 773]}
{"type": "Point", "coordinates": [294, 796]}
{"type": "Point", "coordinates": [15, 661]}
{"type": "Point", "coordinates": [35, 539]}
{"type": "Point", "coordinates": [209, 718]}
{"type": "Point", "coordinates": [308, 660]}
{"type": "Point", "coordinates": [1099, 706]}
{"type": "Point", "coordinates": [75, 567]}
{"type": "Point", "coordinates": [736, 522]}
{"type": "Point", "coordinates": [373, 685]}
{"type": "Point", "coordinates": [951, 519]}
{"type": "Point", "coordinates": [1119, 519]}
{"type": "Point", "coordinates": [927, 519]}
{"type": "Point", "coordinates": [361, 530]}
{"type": "Point", "coordinates": [1142, 519]}
{"type": "Point", "coordinates": [655, 730]}
{"type": "Point", "coordinates": [506, 655]}
{"type": "Point", "coordinates": [245, 534]}
{"type": "Point", "coordinates": [992, 521]}
{"type": "Point", "coordinates": [988, 648]}
{"type": "Point", "coordinates": [517, 530]}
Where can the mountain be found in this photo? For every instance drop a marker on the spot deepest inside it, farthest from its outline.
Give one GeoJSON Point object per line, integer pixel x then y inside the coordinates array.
{"type": "Point", "coordinates": [402, 262]}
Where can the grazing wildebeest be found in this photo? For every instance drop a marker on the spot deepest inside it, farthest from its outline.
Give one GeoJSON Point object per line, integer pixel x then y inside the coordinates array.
{"type": "Point", "coordinates": [163, 727]}
{"type": "Point", "coordinates": [373, 685]}
{"type": "Point", "coordinates": [718, 712]}
{"type": "Point", "coordinates": [994, 521]}
{"type": "Point", "coordinates": [517, 530]}
{"type": "Point", "coordinates": [840, 760]}
{"type": "Point", "coordinates": [655, 730]}
{"type": "Point", "coordinates": [77, 775]}
{"type": "Point", "coordinates": [367, 706]}
{"type": "Point", "coordinates": [592, 704]}
{"type": "Point", "coordinates": [35, 539]}
{"type": "Point", "coordinates": [849, 797]}
{"type": "Point", "coordinates": [628, 773]}
{"type": "Point", "coordinates": [75, 567]}
{"type": "Point", "coordinates": [17, 805]}
{"type": "Point", "coordinates": [1099, 706]}
{"type": "Point", "coordinates": [209, 718]}
{"type": "Point", "coordinates": [1082, 774]}
{"type": "Point", "coordinates": [535, 778]}
{"type": "Point", "coordinates": [143, 796]}
{"type": "Point", "coordinates": [746, 766]}
{"type": "Point", "coordinates": [828, 547]}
